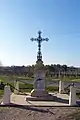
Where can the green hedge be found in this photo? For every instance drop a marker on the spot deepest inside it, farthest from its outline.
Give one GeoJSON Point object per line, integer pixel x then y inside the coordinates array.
{"type": "Point", "coordinates": [52, 89]}
{"type": "Point", "coordinates": [1, 93]}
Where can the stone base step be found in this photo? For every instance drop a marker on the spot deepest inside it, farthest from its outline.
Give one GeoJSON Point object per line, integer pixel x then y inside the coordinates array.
{"type": "Point", "coordinates": [45, 98]}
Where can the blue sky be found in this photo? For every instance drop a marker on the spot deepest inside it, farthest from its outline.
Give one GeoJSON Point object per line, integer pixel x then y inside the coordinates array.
{"type": "Point", "coordinates": [59, 20]}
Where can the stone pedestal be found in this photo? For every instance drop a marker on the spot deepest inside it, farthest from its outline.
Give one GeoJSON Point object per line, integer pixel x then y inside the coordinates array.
{"type": "Point", "coordinates": [39, 81]}
{"type": "Point", "coordinates": [61, 87]}
{"type": "Point", "coordinates": [16, 85]}
{"type": "Point", "coordinates": [72, 96]}
{"type": "Point", "coordinates": [7, 94]}
{"type": "Point", "coordinates": [39, 93]}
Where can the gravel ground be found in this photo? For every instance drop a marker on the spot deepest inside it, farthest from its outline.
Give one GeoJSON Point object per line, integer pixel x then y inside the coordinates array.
{"type": "Point", "coordinates": [36, 113]}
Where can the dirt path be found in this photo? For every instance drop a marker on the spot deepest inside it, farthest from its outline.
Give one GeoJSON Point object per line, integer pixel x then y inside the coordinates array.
{"type": "Point", "coordinates": [38, 113]}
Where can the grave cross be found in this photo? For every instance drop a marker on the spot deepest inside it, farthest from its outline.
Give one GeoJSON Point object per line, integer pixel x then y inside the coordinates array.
{"type": "Point", "coordinates": [39, 39]}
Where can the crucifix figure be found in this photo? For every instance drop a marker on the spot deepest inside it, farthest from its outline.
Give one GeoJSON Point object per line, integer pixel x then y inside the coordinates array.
{"type": "Point", "coordinates": [39, 39]}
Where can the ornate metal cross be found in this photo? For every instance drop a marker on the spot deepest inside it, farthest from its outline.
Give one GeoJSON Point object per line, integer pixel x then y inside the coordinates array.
{"type": "Point", "coordinates": [39, 39]}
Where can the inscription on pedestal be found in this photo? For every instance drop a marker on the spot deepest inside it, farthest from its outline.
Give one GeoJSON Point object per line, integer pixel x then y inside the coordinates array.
{"type": "Point", "coordinates": [39, 80]}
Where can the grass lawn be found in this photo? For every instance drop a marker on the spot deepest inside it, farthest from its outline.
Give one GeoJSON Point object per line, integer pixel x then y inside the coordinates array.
{"type": "Point", "coordinates": [1, 93]}
{"type": "Point", "coordinates": [5, 77]}
{"type": "Point", "coordinates": [70, 78]}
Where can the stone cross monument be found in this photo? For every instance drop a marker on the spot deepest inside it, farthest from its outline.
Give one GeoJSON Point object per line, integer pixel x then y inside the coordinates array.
{"type": "Point", "coordinates": [39, 72]}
